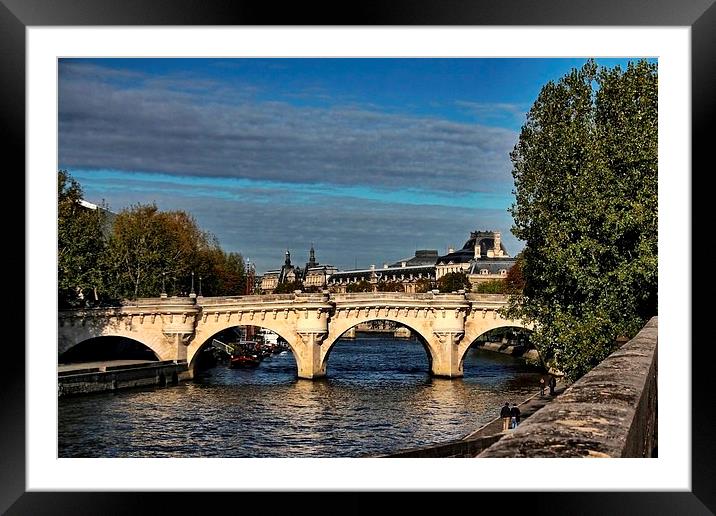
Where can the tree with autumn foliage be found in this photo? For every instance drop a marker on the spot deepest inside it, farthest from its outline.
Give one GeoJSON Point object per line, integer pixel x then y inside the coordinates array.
{"type": "Point", "coordinates": [515, 280]}
{"type": "Point", "coordinates": [222, 273]}
{"type": "Point", "coordinates": [142, 251]}
{"type": "Point", "coordinates": [147, 247]}
{"type": "Point", "coordinates": [585, 172]}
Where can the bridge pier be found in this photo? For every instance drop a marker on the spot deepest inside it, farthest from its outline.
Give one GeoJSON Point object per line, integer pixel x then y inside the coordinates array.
{"type": "Point", "coordinates": [447, 361]}
{"type": "Point", "coordinates": [180, 347]}
{"type": "Point", "coordinates": [308, 355]}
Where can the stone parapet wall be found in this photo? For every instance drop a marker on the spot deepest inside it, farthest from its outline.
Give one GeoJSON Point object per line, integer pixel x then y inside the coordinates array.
{"type": "Point", "coordinates": [609, 412]}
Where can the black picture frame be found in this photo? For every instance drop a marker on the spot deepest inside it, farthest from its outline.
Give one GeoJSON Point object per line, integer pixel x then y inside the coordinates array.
{"type": "Point", "coordinates": [17, 15]}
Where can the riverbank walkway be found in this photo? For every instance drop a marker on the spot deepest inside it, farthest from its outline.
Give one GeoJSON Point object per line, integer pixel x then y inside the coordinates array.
{"type": "Point", "coordinates": [527, 408]}
{"type": "Point", "coordinates": [475, 442]}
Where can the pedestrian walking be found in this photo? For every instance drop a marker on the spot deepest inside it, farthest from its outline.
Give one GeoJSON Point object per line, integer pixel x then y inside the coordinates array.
{"type": "Point", "coordinates": [506, 416]}
{"type": "Point", "coordinates": [552, 385]}
{"type": "Point", "coordinates": [515, 413]}
{"type": "Point", "coordinates": [541, 386]}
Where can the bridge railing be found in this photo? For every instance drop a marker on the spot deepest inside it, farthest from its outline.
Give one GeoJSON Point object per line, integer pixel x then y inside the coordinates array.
{"type": "Point", "coordinates": [495, 298]}
{"type": "Point", "coordinates": [262, 298]}
{"type": "Point", "coordinates": [150, 301]}
{"type": "Point", "coordinates": [323, 297]}
{"type": "Point", "coordinates": [401, 296]}
{"type": "Point", "coordinates": [218, 300]}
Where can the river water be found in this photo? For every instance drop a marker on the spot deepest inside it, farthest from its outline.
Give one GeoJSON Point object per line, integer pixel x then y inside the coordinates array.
{"type": "Point", "coordinates": [377, 398]}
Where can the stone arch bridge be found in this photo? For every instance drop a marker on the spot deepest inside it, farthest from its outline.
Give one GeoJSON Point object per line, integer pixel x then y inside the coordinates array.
{"type": "Point", "coordinates": [178, 328]}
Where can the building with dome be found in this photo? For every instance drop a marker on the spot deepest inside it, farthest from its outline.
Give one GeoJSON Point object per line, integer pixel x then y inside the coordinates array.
{"type": "Point", "coordinates": [483, 258]}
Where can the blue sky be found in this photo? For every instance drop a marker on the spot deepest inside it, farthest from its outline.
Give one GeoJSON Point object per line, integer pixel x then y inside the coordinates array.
{"type": "Point", "coordinates": [369, 159]}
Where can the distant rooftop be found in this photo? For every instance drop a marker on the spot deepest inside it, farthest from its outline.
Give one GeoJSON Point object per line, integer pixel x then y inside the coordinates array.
{"type": "Point", "coordinates": [422, 257]}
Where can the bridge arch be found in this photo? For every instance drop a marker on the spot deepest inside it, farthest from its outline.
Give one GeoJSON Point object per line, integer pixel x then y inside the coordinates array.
{"type": "Point", "coordinates": [78, 332]}
{"type": "Point", "coordinates": [340, 326]}
{"type": "Point", "coordinates": [206, 331]}
{"type": "Point", "coordinates": [107, 347]}
{"type": "Point", "coordinates": [474, 331]}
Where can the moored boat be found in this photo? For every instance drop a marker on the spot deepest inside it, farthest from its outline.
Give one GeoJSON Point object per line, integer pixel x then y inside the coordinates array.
{"type": "Point", "coordinates": [243, 361]}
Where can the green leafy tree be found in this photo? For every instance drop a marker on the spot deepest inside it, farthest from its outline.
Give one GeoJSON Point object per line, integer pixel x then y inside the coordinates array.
{"type": "Point", "coordinates": [585, 171]}
{"type": "Point", "coordinates": [80, 246]}
{"type": "Point", "coordinates": [138, 254]}
{"type": "Point", "coordinates": [496, 286]}
{"type": "Point", "coordinates": [390, 286]}
{"type": "Point", "coordinates": [424, 285]}
{"type": "Point", "coordinates": [288, 287]}
{"type": "Point", "coordinates": [454, 281]}
{"type": "Point", "coordinates": [361, 286]}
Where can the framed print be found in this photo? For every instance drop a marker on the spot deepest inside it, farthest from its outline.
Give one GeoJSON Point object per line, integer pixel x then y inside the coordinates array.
{"type": "Point", "coordinates": [45, 39]}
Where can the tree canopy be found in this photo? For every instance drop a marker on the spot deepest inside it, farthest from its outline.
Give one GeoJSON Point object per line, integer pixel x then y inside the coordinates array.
{"type": "Point", "coordinates": [515, 280]}
{"type": "Point", "coordinates": [144, 251]}
{"type": "Point", "coordinates": [288, 287]}
{"type": "Point", "coordinates": [424, 285]}
{"type": "Point", "coordinates": [390, 286]}
{"type": "Point", "coordinates": [496, 286]}
{"type": "Point", "coordinates": [454, 281]}
{"type": "Point", "coordinates": [80, 245]}
{"type": "Point", "coordinates": [585, 172]}
{"type": "Point", "coordinates": [361, 286]}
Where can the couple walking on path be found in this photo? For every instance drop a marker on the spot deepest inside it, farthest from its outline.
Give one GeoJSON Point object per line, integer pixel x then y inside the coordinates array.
{"type": "Point", "coordinates": [552, 385]}
{"type": "Point", "coordinates": [510, 416]}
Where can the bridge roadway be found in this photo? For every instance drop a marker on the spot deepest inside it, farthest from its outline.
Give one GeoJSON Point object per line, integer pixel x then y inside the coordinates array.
{"type": "Point", "coordinates": [177, 328]}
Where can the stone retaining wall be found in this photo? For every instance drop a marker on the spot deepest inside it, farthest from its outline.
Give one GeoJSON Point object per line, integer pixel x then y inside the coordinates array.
{"type": "Point", "coordinates": [508, 349]}
{"type": "Point", "coordinates": [458, 448]}
{"type": "Point", "coordinates": [120, 377]}
{"type": "Point", "coordinates": [609, 412]}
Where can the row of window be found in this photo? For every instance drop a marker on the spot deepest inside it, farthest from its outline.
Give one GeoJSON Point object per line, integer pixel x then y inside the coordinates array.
{"type": "Point", "coordinates": [356, 279]}
{"type": "Point", "coordinates": [484, 272]}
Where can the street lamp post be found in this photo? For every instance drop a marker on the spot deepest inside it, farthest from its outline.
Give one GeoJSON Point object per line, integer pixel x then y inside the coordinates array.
{"type": "Point", "coordinates": [200, 294]}
{"type": "Point", "coordinates": [163, 295]}
{"type": "Point", "coordinates": [192, 294]}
